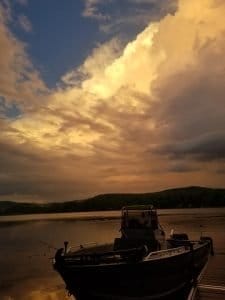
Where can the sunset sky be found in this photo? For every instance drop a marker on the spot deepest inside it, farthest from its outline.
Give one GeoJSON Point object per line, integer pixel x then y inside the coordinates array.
{"type": "Point", "coordinates": [101, 96]}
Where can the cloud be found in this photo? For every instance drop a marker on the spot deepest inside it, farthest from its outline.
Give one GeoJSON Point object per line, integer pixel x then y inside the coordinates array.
{"type": "Point", "coordinates": [131, 16]}
{"type": "Point", "coordinates": [19, 81]}
{"type": "Point", "coordinates": [101, 56]}
{"type": "Point", "coordinates": [25, 23]}
{"type": "Point", "coordinates": [91, 10]}
{"type": "Point", "coordinates": [139, 117]}
{"type": "Point", "coordinates": [22, 2]}
{"type": "Point", "coordinates": [181, 167]}
{"type": "Point", "coordinates": [207, 147]}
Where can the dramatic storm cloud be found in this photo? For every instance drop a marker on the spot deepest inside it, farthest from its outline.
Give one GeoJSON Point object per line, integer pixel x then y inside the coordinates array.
{"type": "Point", "coordinates": [134, 117]}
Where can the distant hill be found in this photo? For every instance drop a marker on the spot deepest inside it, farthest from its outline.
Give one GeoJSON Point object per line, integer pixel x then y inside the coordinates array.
{"type": "Point", "coordinates": [188, 197]}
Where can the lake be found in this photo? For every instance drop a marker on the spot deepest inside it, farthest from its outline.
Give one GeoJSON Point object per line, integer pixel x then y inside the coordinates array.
{"type": "Point", "coordinates": [28, 244]}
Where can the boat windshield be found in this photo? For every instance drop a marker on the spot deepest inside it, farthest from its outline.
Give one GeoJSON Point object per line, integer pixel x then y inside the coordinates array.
{"type": "Point", "coordinates": [139, 218]}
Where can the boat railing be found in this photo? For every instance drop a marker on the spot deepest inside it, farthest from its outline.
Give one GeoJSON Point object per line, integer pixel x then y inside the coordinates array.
{"type": "Point", "coordinates": [73, 248]}
{"type": "Point", "coordinates": [162, 253]}
{"type": "Point", "coordinates": [134, 254]}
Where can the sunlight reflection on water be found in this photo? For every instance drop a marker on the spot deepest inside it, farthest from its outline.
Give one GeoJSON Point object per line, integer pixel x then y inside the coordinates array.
{"type": "Point", "coordinates": [42, 295]}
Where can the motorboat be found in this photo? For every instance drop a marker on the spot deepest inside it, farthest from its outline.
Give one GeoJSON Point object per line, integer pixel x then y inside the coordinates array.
{"type": "Point", "coordinates": [141, 264]}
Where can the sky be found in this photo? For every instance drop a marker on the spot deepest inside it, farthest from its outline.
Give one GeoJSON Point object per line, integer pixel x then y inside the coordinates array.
{"type": "Point", "coordinates": [109, 96]}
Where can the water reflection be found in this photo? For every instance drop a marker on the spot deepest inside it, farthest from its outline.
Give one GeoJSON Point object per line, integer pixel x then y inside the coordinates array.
{"type": "Point", "coordinates": [27, 247]}
{"type": "Point", "coordinates": [40, 295]}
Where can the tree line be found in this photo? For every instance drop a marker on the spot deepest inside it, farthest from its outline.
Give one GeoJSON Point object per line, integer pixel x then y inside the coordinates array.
{"type": "Point", "coordinates": [189, 197]}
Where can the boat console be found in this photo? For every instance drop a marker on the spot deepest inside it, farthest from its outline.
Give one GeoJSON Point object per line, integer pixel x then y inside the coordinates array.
{"type": "Point", "coordinates": [140, 227]}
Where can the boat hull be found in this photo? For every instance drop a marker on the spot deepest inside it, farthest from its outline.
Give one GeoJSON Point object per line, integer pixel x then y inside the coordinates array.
{"type": "Point", "coordinates": [147, 279]}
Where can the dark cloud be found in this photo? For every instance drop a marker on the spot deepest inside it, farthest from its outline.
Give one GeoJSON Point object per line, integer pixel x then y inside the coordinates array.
{"type": "Point", "coordinates": [191, 110]}
{"type": "Point", "coordinates": [207, 147]}
{"type": "Point", "coordinates": [182, 167]}
{"type": "Point", "coordinates": [221, 170]}
{"type": "Point", "coordinates": [32, 173]}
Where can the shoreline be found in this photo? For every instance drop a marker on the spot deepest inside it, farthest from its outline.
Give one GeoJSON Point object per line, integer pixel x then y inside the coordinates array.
{"type": "Point", "coordinates": [104, 215]}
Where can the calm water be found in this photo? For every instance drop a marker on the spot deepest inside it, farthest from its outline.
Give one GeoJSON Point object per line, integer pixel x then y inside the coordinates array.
{"type": "Point", "coordinates": [28, 242]}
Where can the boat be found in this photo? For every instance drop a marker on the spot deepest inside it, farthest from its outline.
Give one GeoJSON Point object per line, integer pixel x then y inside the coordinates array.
{"type": "Point", "coordinates": [141, 264]}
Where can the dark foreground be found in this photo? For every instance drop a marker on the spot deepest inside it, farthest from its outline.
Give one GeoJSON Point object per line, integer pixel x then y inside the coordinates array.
{"type": "Point", "coordinates": [26, 271]}
{"type": "Point", "coordinates": [141, 264]}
